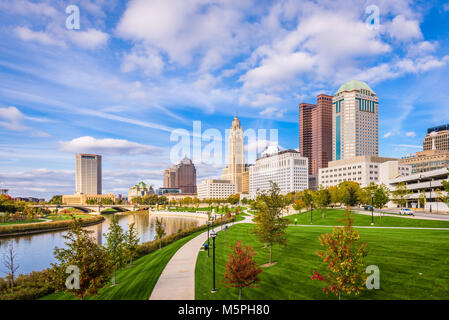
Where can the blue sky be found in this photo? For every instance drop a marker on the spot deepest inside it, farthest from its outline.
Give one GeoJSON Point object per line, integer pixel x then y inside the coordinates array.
{"type": "Point", "coordinates": [137, 70]}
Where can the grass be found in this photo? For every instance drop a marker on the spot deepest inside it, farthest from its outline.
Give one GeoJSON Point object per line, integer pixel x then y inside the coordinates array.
{"type": "Point", "coordinates": [67, 216]}
{"type": "Point", "coordinates": [413, 265]}
{"type": "Point", "coordinates": [333, 217]}
{"type": "Point", "coordinates": [135, 283]}
{"type": "Point", "coordinates": [21, 222]}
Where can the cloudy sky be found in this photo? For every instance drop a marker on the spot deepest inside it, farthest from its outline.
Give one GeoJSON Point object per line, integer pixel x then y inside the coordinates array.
{"type": "Point", "coordinates": [136, 71]}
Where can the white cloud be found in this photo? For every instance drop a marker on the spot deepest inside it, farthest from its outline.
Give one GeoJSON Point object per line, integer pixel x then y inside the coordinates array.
{"type": "Point", "coordinates": [106, 146]}
{"type": "Point", "coordinates": [90, 39]}
{"type": "Point", "coordinates": [410, 134]}
{"type": "Point", "coordinates": [41, 37]}
{"type": "Point", "coordinates": [150, 62]}
{"type": "Point", "coordinates": [11, 118]}
{"type": "Point", "coordinates": [388, 134]}
{"type": "Point", "coordinates": [402, 29]}
{"type": "Point", "coordinates": [272, 112]}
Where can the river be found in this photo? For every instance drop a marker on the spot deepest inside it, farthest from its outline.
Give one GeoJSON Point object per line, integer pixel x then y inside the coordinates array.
{"type": "Point", "coordinates": [35, 252]}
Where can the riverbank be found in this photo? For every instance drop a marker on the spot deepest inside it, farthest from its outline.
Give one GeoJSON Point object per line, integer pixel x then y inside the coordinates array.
{"type": "Point", "coordinates": [41, 227]}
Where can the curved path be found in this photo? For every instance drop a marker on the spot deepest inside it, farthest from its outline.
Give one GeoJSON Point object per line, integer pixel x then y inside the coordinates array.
{"type": "Point", "coordinates": [177, 281]}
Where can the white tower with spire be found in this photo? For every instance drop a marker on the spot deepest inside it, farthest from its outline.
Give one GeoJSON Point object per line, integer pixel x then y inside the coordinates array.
{"type": "Point", "coordinates": [235, 167]}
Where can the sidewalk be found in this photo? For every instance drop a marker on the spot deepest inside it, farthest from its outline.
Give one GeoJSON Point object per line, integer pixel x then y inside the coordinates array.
{"type": "Point", "coordinates": [177, 281]}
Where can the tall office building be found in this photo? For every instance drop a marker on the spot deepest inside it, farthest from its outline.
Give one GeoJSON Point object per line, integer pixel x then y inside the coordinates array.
{"type": "Point", "coordinates": [181, 176]}
{"type": "Point", "coordinates": [170, 178]}
{"type": "Point", "coordinates": [287, 168]}
{"type": "Point", "coordinates": [315, 132]}
{"type": "Point", "coordinates": [235, 168]}
{"type": "Point", "coordinates": [438, 140]}
{"type": "Point", "coordinates": [88, 174]}
{"type": "Point", "coordinates": [355, 117]}
{"type": "Point", "coordinates": [186, 176]}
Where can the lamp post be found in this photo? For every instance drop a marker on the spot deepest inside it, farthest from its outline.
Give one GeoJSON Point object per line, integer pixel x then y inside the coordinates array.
{"type": "Point", "coordinates": [311, 211]}
{"type": "Point", "coordinates": [208, 225]}
{"type": "Point", "coordinates": [430, 199]}
{"type": "Point", "coordinates": [372, 208]}
{"type": "Point", "coordinates": [213, 235]}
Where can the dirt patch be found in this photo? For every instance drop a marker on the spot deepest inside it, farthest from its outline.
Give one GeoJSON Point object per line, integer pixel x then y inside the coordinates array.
{"type": "Point", "coordinates": [266, 265]}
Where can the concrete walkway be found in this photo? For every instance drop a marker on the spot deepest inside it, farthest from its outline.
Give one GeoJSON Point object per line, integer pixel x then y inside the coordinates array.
{"type": "Point", "coordinates": [177, 281]}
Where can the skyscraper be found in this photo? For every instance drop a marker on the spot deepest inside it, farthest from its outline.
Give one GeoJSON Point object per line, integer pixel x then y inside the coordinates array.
{"type": "Point", "coordinates": [88, 174]}
{"type": "Point", "coordinates": [355, 116]}
{"type": "Point", "coordinates": [170, 178]}
{"type": "Point", "coordinates": [186, 176]}
{"type": "Point", "coordinates": [438, 140]}
{"type": "Point", "coordinates": [181, 176]}
{"type": "Point", "coordinates": [315, 132]}
{"type": "Point", "coordinates": [235, 167]}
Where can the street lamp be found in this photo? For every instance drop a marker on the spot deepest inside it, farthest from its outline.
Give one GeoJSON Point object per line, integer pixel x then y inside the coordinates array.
{"type": "Point", "coordinates": [311, 211]}
{"type": "Point", "coordinates": [213, 235]}
{"type": "Point", "coordinates": [208, 225]}
{"type": "Point", "coordinates": [372, 208]}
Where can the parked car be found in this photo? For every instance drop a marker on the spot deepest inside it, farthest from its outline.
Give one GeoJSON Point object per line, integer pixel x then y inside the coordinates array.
{"type": "Point", "coordinates": [406, 211]}
{"type": "Point", "coordinates": [368, 208]}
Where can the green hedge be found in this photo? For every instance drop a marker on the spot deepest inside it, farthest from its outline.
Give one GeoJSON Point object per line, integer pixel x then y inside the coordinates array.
{"type": "Point", "coordinates": [22, 229]}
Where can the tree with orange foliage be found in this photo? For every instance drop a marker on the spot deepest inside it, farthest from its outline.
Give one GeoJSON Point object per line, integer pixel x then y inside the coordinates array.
{"type": "Point", "coordinates": [345, 258]}
{"type": "Point", "coordinates": [241, 270]}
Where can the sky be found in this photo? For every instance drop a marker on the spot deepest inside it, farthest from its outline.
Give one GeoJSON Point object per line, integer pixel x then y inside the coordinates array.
{"type": "Point", "coordinates": [136, 73]}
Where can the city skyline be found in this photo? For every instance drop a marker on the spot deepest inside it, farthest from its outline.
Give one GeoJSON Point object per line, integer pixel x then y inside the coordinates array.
{"type": "Point", "coordinates": [61, 94]}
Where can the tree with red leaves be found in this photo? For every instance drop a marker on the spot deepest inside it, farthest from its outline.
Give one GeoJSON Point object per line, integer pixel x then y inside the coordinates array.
{"type": "Point", "coordinates": [345, 258]}
{"type": "Point", "coordinates": [241, 270]}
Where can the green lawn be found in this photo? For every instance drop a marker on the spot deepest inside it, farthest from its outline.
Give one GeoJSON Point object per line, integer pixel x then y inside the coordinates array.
{"type": "Point", "coordinates": [135, 283]}
{"type": "Point", "coordinates": [21, 222]}
{"type": "Point", "coordinates": [67, 216]}
{"type": "Point", "coordinates": [334, 216]}
{"type": "Point", "coordinates": [413, 265]}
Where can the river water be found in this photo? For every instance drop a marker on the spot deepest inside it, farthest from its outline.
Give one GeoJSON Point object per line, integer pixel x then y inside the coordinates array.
{"type": "Point", "coordinates": [35, 252]}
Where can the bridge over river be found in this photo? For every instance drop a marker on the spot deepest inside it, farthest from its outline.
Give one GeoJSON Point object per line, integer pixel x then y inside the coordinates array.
{"type": "Point", "coordinates": [92, 208]}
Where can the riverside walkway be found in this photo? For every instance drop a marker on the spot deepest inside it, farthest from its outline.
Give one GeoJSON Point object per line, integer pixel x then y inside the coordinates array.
{"type": "Point", "coordinates": [177, 281]}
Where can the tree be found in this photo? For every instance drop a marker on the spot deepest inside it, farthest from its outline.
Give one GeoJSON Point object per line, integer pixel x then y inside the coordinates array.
{"type": "Point", "coordinates": [91, 201]}
{"type": "Point", "coordinates": [345, 259]}
{"type": "Point", "coordinates": [335, 193]}
{"type": "Point", "coordinates": [307, 197]}
{"type": "Point", "coordinates": [131, 243]}
{"type": "Point", "coordinates": [196, 202]}
{"type": "Point", "coordinates": [160, 230]}
{"type": "Point", "coordinates": [244, 201]}
{"type": "Point", "coordinates": [445, 184]}
{"type": "Point", "coordinates": [10, 264]}
{"type": "Point", "coordinates": [381, 196]}
{"type": "Point", "coordinates": [241, 271]}
{"type": "Point", "coordinates": [115, 246]}
{"type": "Point", "coordinates": [400, 194]}
{"type": "Point", "coordinates": [349, 193]}
{"type": "Point", "coordinates": [298, 205]}
{"type": "Point", "coordinates": [422, 199]}
{"type": "Point", "coordinates": [270, 226]}
{"type": "Point", "coordinates": [233, 199]}
{"type": "Point", "coordinates": [55, 200]}
{"type": "Point", "coordinates": [83, 252]}
{"type": "Point", "coordinates": [322, 199]}
{"type": "Point", "coordinates": [365, 193]}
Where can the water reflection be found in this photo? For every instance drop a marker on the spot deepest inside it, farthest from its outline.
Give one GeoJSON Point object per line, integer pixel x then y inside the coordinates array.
{"type": "Point", "coordinates": [35, 252]}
